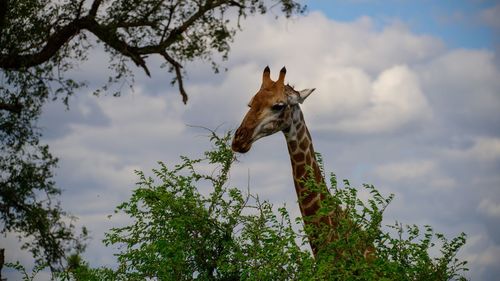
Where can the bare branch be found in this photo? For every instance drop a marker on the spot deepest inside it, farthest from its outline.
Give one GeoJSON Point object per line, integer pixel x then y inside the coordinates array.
{"type": "Point", "coordinates": [170, 17]}
{"type": "Point", "coordinates": [234, 3]}
{"type": "Point", "coordinates": [177, 67]}
{"type": "Point", "coordinates": [138, 23]}
{"type": "Point", "coordinates": [94, 8]}
{"type": "Point", "coordinates": [80, 8]}
{"type": "Point", "coordinates": [176, 32]}
{"type": "Point", "coordinates": [108, 35]}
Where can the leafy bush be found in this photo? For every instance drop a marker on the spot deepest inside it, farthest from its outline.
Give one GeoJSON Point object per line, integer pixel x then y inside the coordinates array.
{"type": "Point", "coordinates": [400, 252]}
{"type": "Point", "coordinates": [181, 232]}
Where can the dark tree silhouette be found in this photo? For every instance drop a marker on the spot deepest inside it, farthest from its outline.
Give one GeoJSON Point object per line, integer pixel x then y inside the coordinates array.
{"type": "Point", "coordinates": [40, 40]}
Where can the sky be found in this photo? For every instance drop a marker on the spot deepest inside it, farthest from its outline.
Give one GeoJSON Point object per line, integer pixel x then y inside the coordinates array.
{"type": "Point", "coordinates": [407, 98]}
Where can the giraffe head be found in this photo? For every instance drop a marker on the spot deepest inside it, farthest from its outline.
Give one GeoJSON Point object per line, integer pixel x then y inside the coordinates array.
{"type": "Point", "coordinates": [270, 111]}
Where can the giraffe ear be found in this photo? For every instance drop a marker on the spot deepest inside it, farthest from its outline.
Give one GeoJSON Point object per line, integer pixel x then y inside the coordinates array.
{"type": "Point", "coordinates": [300, 96]}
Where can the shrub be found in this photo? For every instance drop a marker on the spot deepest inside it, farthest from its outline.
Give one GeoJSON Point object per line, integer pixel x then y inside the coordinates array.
{"type": "Point", "coordinates": [179, 231]}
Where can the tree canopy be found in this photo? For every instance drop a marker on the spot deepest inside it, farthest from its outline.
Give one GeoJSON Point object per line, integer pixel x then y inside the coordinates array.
{"type": "Point", "coordinates": [42, 40]}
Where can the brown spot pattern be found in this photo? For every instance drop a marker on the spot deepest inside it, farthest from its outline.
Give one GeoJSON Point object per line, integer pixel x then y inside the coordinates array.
{"type": "Point", "coordinates": [298, 157]}
{"type": "Point", "coordinates": [308, 159]}
{"type": "Point", "coordinates": [301, 132]}
{"type": "Point", "coordinates": [300, 171]}
{"type": "Point", "coordinates": [311, 210]}
{"type": "Point", "coordinates": [304, 144]}
{"type": "Point", "coordinates": [313, 199]}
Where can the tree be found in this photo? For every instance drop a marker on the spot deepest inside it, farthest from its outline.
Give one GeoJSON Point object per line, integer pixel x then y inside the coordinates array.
{"type": "Point", "coordinates": [188, 225]}
{"type": "Point", "coordinates": [41, 40]}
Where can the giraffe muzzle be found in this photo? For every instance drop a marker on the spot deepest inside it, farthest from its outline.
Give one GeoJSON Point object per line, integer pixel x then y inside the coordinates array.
{"type": "Point", "coordinates": [242, 141]}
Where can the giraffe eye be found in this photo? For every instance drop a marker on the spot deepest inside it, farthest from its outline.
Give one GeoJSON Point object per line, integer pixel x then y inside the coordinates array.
{"type": "Point", "coordinates": [278, 106]}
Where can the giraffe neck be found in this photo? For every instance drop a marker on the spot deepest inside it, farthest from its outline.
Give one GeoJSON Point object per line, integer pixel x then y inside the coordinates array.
{"type": "Point", "coordinates": [302, 155]}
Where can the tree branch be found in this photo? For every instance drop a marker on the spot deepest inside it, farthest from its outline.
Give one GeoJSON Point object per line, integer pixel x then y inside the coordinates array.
{"type": "Point", "coordinates": [108, 33]}
{"type": "Point", "coordinates": [176, 32]}
{"type": "Point", "coordinates": [54, 43]}
{"type": "Point", "coordinates": [4, 5]}
{"type": "Point", "coordinates": [177, 67]}
{"type": "Point", "coordinates": [234, 3]}
{"type": "Point", "coordinates": [94, 8]}
{"type": "Point", "coordinates": [14, 108]}
{"type": "Point", "coordinates": [61, 37]}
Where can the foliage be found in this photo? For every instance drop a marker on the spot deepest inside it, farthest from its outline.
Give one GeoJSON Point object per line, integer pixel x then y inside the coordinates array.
{"type": "Point", "coordinates": [24, 273]}
{"type": "Point", "coordinates": [191, 225]}
{"type": "Point", "coordinates": [400, 252]}
{"type": "Point", "coordinates": [41, 41]}
{"type": "Point", "coordinates": [27, 191]}
{"type": "Point", "coordinates": [179, 233]}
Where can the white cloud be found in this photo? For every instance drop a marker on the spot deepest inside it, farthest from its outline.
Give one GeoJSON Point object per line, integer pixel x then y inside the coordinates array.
{"type": "Point", "coordinates": [483, 256]}
{"type": "Point", "coordinates": [487, 149]}
{"type": "Point", "coordinates": [395, 100]}
{"type": "Point", "coordinates": [488, 207]}
{"type": "Point", "coordinates": [464, 85]}
{"type": "Point", "coordinates": [491, 16]}
{"type": "Point", "coordinates": [362, 74]}
{"type": "Point", "coordinates": [490, 257]}
{"type": "Point", "coordinates": [483, 149]}
{"type": "Point", "coordinates": [136, 121]}
{"type": "Point", "coordinates": [315, 43]}
{"type": "Point", "coordinates": [405, 170]}
{"type": "Point", "coordinates": [102, 159]}
{"type": "Point", "coordinates": [428, 175]}
{"type": "Point", "coordinates": [443, 182]}
{"type": "Point", "coordinates": [225, 102]}
{"type": "Point", "coordinates": [472, 72]}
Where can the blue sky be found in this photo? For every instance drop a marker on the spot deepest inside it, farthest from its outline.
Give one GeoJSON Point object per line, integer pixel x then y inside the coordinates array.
{"type": "Point", "coordinates": [407, 98]}
{"type": "Point", "coordinates": [456, 22]}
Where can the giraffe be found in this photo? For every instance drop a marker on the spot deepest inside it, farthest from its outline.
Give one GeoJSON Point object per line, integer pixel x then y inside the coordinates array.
{"type": "Point", "coordinates": [276, 108]}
